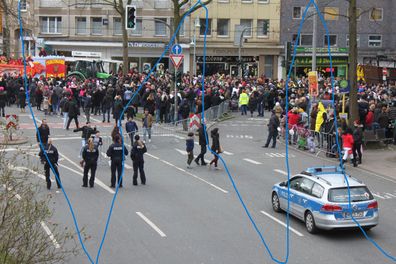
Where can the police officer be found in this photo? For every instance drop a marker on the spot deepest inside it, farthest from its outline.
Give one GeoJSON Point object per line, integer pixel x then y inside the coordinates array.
{"type": "Point", "coordinates": [53, 156]}
{"type": "Point", "coordinates": [90, 160]}
{"type": "Point", "coordinates": [115, 153]}
{"type": "Point", "coordinates": [137, 151]}
{"type": "Point", "coordinates": [44, 132]}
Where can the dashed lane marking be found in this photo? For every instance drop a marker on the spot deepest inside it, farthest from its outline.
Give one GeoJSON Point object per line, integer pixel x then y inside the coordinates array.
{"type": "Point", "coordinates": [281, 223]}
{"type": "Point", "coordinates": [151, 224]}
{"type": "Point", "coordinates": [252, 161]}
{"type": "Point", "coordinates": [280, 171]}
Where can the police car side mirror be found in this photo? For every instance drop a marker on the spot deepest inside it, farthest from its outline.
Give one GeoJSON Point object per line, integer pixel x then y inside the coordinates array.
{"type": "Point", "coordinates": [282, 184]}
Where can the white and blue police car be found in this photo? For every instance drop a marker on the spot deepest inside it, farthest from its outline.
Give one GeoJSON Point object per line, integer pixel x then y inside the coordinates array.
{"type": "Point", "coordinates": [319, 196]}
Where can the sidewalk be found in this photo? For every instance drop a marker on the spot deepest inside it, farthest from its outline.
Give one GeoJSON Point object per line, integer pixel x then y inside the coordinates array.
{"type": "Point", "coordinates": [380, 161]}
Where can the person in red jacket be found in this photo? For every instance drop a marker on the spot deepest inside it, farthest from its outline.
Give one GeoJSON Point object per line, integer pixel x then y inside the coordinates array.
{"type": "Point", "coordinates": [347, 145]}
{"type": "Point", "coordinates": [293, 120]}
{"type": "Point", "coordinates": [370, 117]}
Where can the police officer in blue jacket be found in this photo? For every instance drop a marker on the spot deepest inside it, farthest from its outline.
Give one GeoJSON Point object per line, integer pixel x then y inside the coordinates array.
{"type": "Point", "coordinates": [53, 157]}
{"type": "Point", "coordinates": [115, 154]}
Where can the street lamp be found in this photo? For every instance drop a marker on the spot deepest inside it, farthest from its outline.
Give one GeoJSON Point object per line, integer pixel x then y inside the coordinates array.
{"type": "Point", "coordinates": [194, 42]}
{"type": "Point", "coordinates": [239, 51]}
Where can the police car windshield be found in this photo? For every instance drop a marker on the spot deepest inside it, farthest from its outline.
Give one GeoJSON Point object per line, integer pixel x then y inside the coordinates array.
{"type": "Point", "coordinates": [358, 194]}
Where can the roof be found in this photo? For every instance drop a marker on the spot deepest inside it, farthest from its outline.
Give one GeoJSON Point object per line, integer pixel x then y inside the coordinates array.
{"type": "Point", "coordinates": [332, 176]}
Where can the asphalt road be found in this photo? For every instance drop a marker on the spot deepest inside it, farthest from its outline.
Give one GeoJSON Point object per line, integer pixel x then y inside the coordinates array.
{"type": "Point", "coordinates": [194, 215]}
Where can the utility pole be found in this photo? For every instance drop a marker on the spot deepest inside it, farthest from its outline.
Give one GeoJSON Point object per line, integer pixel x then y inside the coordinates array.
{"type": "Point", "coordinates": [314, 36]}
{"type": "Point", "coordinates": [352, 76]}
{"type": "Point", "coordinates": [240, 70]}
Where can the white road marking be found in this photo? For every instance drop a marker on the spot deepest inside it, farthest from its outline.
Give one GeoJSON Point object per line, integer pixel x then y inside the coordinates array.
{"type": "Point", "coordinates": [183, 152]}
{"type": "Point", "coordinates": [153, 226]}
{"type": "Point", "coordinates": [281, 171]}
{"type": "Point", "coordinates": [378, 196]}
{"type": "Point", "coordinates": [41, 176]}
{"type": "Point", "coordinates": [228, 153]}
{"type": "Point", "coordinates": [49, 233]}
{"type": "Point", "coordinates": [38, 120]}
{"type": "Point", "coordinates": [65, 138]}
{"type": "Point", "coordinates": [97, 181]}
{"type": "Point", "coordinates": [391, 195]}
{"type": "Point", "coordinates": [189, 173]}
{"type": "Point", "coordinates": [283, 224]}
{"type": "Point", "coordinates": [252, 161]}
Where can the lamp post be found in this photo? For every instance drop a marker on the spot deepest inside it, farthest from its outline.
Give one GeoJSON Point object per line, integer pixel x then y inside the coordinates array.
{"type": "Point", "coordinates": [240, 70]}
{"type": "Point", "coordinates": [194, 42]}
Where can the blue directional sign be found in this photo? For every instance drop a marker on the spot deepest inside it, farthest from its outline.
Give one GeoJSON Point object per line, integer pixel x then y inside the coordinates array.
{"type": "Point", "coordinates": [177, 49]}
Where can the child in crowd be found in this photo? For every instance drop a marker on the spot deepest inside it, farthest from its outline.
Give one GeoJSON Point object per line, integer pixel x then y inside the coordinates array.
{"type": "Point", "coordinates": [190, 148]}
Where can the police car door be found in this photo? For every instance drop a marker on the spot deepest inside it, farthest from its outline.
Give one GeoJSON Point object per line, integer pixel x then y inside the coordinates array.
{"type": "Point", "coordinates": [303, 197]}
{"type": "Point", "coordinates": [294, 187]}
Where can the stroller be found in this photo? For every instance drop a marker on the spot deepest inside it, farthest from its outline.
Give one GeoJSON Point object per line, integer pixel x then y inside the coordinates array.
{"type": "Point", "coordinates": [234, 104]}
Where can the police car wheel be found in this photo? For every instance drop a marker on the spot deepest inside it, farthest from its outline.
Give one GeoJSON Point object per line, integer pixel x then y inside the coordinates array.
{"type": "Point", "coordinates": [310, 223]}
{"type": "Point", "coordinates": [275, 203]}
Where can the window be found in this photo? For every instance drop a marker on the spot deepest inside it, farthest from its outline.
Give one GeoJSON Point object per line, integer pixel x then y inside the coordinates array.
{"type": "Point", "coordinates": [222, 27]}
{"type": "Point", "coordinates": [358, 194]}
{"type": "Point", "coordinates": [263, 1]}
{"type": "Point", "coordinates": [331, 13]}
{"type": "Point", "coordinates": [23, 5]}
{"type": "Point", "coordinates": [51, 25]}
{"type": "Point", "coordinates": [96, 26]}
{"type": "Point", "coordinates": [306, 186]}
{"type": "Point", "coordinates": [305, 40]}
{"type": "Point", "coordinates": [333, 40]}
{"type": "Point", "coordinates": [358, 14]}
{"type": "Point", "coordinates": [376, 14]}
{"type": "Point", "coordinates": [357, 40]}
{"type": "Point", "coordinates": [317, 190]}
{"type": "Point", "coordinates": [247, 1]}
{"type": "Point", "coordinates": [117, 30]}
{"type": "Point", "coordinates": [262, 27]}
{"type": "Point", "coordinates": [224, 1]}
{"type": "Point", "coordinates": [295, 183]}
{"type": "Point", "coordinates": [375, 41]}
{"type": "Point", "coordinates": [297, 12]}
{"type": "Point", "coordinates": [202, 24]}
{"type": "Point", "coordinates": [160, 27]}
{"type": "Point", "coordinates": [138, 28]}
{"type": "Point", "coordinates": [81, 25]}
{"type": "Point", "coordinates": [247, 23]}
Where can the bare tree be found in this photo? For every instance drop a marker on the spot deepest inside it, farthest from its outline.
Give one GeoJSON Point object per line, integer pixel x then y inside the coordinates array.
{"type": "Point", "coordinates": [23, 219]}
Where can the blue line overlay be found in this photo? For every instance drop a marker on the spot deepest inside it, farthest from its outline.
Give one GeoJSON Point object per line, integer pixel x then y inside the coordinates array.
{"type": "Point", "coordinates": [199, 3]}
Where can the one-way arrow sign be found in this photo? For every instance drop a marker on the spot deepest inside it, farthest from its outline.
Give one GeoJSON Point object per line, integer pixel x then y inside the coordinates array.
{"type": "Point", "coordinates": [176, 59]}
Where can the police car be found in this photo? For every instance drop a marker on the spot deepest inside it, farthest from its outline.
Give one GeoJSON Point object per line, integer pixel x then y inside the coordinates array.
{"type": "Point", "coordinates": [319, 197]}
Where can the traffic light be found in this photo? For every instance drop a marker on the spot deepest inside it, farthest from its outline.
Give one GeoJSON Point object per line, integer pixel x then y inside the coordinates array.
{"type": "Point", "coordinates": [266, 24]}
{"type": "Point", "coordinates": [130, 17]}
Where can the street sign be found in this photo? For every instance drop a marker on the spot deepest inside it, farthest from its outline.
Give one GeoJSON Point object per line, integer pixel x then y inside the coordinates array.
{"type": "Point", "coordinates": [177, 49]}
{"type": "Point", "coordinates": [195, 121]}
{"type": "Point", "coordinates": [12, 121]}
{"type": "Point", "coordinates": [176, 59]}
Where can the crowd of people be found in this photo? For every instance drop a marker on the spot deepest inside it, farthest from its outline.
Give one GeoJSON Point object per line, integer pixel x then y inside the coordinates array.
{"type": "Point", "coordinates": [310, 120]}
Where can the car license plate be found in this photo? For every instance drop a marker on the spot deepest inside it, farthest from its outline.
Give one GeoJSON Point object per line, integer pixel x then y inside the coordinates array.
{"type": "Point", "coordinates": [354, 214]}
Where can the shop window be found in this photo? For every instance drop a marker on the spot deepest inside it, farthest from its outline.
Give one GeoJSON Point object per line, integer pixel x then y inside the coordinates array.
{"type": "Point", "coordinates": [51, 25]}
{"type": "Point", "coordinates": [222, 27]}
{"type": "Point", "coordinates": [263, 27]}
{"type": "Point", "coordinates": [333, 40]}
{"type": "Point", "coordinates": [375, 41]}
{"type": "Point", "coordinates": [357, 40]}
{"type": "Point", "coordinates": [117, 30]}
{"type": "Point", "coordinates": [297, 12]}
{"type": "Point", "coordinates": [247, 23]}
{"type": "Point", "coordinates": [331, 13]}
{"type": "Point", "coordinates": [160, 27]}
{"type": "Point", "coordinates": [81, 25]}
{"type": "Point", "coordinates": [376, 14]}
{"type": "Point", "coordinates": [96, 26]}
{"type": "Point", "coordinates": [202, 24]}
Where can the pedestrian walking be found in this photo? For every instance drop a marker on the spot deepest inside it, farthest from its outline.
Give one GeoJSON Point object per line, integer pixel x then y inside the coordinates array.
{"type": "Point", "coordinates": [74, 112]}
{"type": "Point", "coordinates": [131, 128]}
{"type": "Point", "coordinates": [22, 99]}
{"type": "Point", "coordinates": [137, 152]}
{"type": "Point", "coordinates": [64, 106]}
{"type": "Point", "coordinates": [117, 111]}
{"type": "Point", "coordinates": [202, 135]}
{"type": "Point", "coordinates": [87, 104]}
{"type": "Point", "coordinates": [147, 124]}
{"type": "Point", "coordinates": [3, 100]}
{"type": "Point", "coordinates": [87, 132]}
{"type": "Point", "coordinates": [90, 157]}
{"type": "Point", "coordinates": [347, 145]}
{"type": "Point", "coordinates": [44, 132]}
{"type": "Point", "coordinates": [190, 148]}
{"type": "Point", "coordinates": [115, 153]}
{"type": "Point", "coordinates": [272, 130]}
{"type": "Point", "coordinates": [53, 156]}
{"type": "Point", "coordinates": [214, 134]}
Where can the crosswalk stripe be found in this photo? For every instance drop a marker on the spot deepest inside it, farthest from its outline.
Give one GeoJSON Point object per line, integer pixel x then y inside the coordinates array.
{"type": "Point", "coordinates": [252, 161]}
{"type": "Point", "coordinates": [228, 153]}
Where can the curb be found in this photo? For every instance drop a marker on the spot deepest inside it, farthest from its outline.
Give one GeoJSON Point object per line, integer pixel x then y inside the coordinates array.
{"type": "Point", "coordinates": [18, 141]}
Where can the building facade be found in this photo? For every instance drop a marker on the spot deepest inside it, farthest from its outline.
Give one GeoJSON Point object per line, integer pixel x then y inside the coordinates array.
{"type": "Point", "coordinates": [87, 28]}
{"type": "Point", "coordinates": [260, 49]}
{"type": "Point", "coordinates": [375, 28]}
{"type": "Point", "coordinates": [10, 44]}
